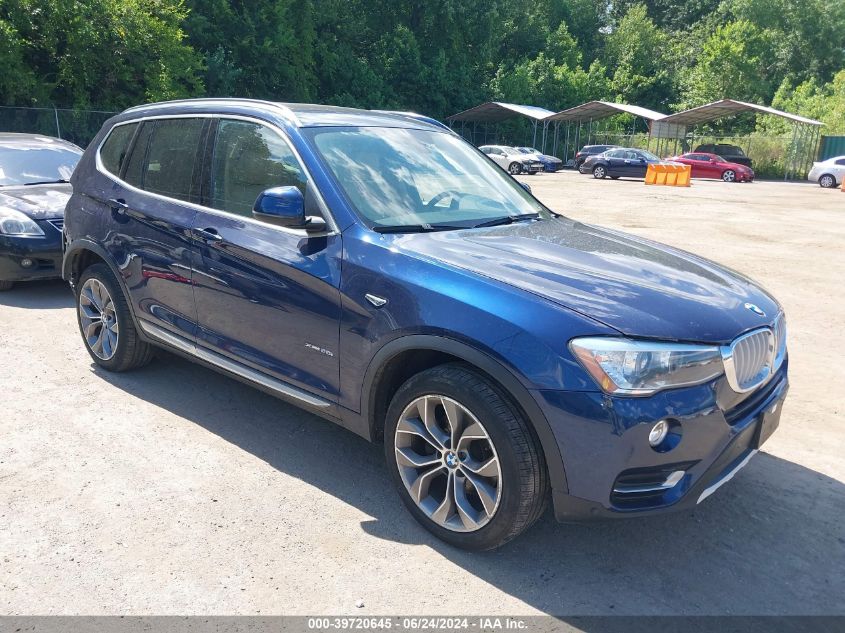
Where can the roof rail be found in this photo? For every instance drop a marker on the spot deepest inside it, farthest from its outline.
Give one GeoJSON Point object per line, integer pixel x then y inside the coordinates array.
{"type": "Point", "coordinates": [285, 110]}
{"type": "Point", "coordinates": [418, 117]}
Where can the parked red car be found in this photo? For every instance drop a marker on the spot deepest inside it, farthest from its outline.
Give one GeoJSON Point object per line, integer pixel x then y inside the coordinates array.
{"type": "Point", "coordinates": [714, 166]}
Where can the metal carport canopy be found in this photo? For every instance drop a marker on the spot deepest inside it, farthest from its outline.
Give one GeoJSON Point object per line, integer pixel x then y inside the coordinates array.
{"type": "Point", "coordinates": [595, 110]}
{"type": "Point", "coordinates": [728, 107]}
{"type": "Point", "coordinates": [495, 111]}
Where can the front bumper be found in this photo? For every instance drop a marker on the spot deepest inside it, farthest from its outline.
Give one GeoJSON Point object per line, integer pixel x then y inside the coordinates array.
{"type": "Point", "coordinates": [44, 252]}
{"type": "Point", "coordinates": [612, 472]}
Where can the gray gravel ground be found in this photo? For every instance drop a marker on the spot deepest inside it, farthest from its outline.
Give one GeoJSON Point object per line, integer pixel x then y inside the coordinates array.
{"type": "Point", "coordinates": [174, 490]}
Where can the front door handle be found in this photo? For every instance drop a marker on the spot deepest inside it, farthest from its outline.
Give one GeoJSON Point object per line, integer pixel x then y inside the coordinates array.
{"type": "Point", "coordinates": [208, 234]}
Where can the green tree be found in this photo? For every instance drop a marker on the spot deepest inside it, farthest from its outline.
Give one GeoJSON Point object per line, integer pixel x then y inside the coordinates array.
{"type": "Point", "coordinates": [103, 53]}
{"type": "Point", "coordinates": [734, 63]}
{"type": "Point", "coordinates": [636, 51]}
{"type": "Point", "coordinates": [823, 102]}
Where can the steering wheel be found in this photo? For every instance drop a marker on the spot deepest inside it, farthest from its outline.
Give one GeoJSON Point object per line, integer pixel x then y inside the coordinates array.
{"type": "Point", "coordinates": [444, 194]}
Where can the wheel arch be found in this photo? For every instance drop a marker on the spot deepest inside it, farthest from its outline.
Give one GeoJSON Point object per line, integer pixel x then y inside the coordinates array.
{"type": "Point", "coordinates": [402, 358]}
{"type": "Point", "coordinates": [83, 253]}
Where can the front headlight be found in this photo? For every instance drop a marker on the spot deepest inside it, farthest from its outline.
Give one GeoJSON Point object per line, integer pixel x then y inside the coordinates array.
{"type": "Point", "coordinates": [638, 368]}
{"type": "Point", "coordinates": [16, 223]}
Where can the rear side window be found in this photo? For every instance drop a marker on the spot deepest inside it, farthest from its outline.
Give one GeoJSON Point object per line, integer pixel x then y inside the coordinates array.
{"type": "Point", "coordinates": [164, 158]}
{"type": "Point", "coordinates": [113, 151]}
{"type": "Point", "coordinates": [249, 158]}
{"type": "Point", "coordinates": [841, 161]}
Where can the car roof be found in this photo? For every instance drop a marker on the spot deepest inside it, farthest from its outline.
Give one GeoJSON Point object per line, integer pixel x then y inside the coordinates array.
{"type": "Point", "coordinates": [33, 141]}
{"type": "Point", "coordinates": [297, 114]}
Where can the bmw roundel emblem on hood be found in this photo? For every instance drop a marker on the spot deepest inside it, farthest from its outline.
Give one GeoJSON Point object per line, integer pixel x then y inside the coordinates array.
{"type": "Point", "coordinates": [755, 309]}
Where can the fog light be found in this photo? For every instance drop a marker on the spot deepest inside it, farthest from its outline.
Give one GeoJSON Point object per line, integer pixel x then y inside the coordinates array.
{"type": "Point", "coordinates": [26, 262]}
{"type": "Point", "coordinates": [658, 433]}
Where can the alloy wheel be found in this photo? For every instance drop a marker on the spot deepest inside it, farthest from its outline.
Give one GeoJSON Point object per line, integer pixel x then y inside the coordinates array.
{"type": "Point", "coordinates": [827, 182]}
{"type": "Point", "coordinates": [99, 319]}
{"type": "Point", "coordinates": [599, 172]}
{"type": "Point", "coordinates": [729, 176]}
{"type": "Point", "coordinates": [515, 169]}
{"type": "Point", "coordinates": [448, 463]}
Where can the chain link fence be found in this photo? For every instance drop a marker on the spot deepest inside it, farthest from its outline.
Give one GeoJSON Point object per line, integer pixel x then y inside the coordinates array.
{"type": "Point", "coordinates": [77, 126]}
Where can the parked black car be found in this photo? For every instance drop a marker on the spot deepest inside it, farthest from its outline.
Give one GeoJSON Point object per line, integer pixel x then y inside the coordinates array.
{"type": "Point", "coordinates": [620, 163]}
{"type": "Point", "coordinates": [731, 153]}
{"type": "Point", "coordinates": [590, 150]}
{"type": "Point", "coordinates": [34, 188]}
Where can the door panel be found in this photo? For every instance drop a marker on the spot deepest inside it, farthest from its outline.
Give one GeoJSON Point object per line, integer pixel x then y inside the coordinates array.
{"type": "Point", "coordinates": [150, 236]}
{"type": "Point", "coordinates": [266, 297]}
{"type": "Point", "coordinates": [270, 299]}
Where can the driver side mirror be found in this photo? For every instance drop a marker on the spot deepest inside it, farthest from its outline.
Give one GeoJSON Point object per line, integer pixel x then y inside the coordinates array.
{"type": "Point", "coordinates": [285, 206]}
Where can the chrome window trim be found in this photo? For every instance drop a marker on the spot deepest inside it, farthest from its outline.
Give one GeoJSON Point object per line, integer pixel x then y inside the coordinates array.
{"type": "Point", "coordinates": [332, 228]}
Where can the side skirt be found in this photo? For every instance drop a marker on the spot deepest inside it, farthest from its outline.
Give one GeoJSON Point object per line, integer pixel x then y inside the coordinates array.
{"type": "Point", "coordinates": [268, 384]}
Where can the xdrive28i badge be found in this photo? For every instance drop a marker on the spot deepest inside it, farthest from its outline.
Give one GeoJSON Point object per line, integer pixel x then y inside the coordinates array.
{"type": "Point", "coordinates": [755, 309]}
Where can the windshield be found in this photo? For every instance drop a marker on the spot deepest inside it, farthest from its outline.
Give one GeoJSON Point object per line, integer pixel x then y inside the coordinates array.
{"type": "Point", "coordinates": [405, 177]}
{"type": "Point", "coordinates": [648, 155]}
{"type": "Point", "coordinates": [28, 164]}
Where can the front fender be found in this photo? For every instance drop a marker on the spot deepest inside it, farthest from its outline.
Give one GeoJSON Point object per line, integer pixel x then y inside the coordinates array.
{"type": "Point", "coordinates": [491, 366]}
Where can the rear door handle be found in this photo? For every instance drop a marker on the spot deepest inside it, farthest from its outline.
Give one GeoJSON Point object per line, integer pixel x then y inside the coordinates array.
{"type": "Point", "coordinates": [118, 205]}
{"type": "Point", "coordinates": [208, 234]}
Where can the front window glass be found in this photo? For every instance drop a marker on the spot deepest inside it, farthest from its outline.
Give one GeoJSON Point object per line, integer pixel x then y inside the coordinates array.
{"type": "Point", "coordinates": [648, 155]}
{"type": "Point", "coordinates": [249, 158]}
{"type": "Point", "coordinates": [27, 162]}
{"type": "Point", "coordinates": [402, 177]}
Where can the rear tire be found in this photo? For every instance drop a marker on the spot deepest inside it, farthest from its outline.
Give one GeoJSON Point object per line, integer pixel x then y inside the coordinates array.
{"type": "Point", "coordinates": [6, 285]}
{"type": "Point", "coordinates": [442, 459]}
{"type": "Point", "coordinates": [599, 172]}
{"type": "Point", "coordinates": [106, 323]}
{"type": "Point", "coordinates": [827, 181]}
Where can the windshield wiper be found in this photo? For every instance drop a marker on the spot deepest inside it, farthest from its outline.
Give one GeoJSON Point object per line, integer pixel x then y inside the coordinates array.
{"type": "Point", "coordinates": [60, 181]}
{"type": "Point", "coordinates": [508, 219]}
{"type": "Point", "coordinates": [414, 228]}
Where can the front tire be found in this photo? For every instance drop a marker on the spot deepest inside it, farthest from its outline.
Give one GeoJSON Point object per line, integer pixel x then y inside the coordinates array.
{"type": "Point", "coordinates": [6, 285]}
{"type": "Point", "coordinates": [515, 169]}
{"type": "Point", "coordinates": [463, 459]}
{"type": "Point", "coordinates": [599, 172]}
{"type": "Point", "coordinates": [729, 175]}
{"type": "Point", "coordinates": [827, 181]}
{"type": "Point", "coordinates": [106, 323]}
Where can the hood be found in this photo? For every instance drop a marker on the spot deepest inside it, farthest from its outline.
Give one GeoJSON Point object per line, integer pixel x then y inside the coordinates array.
{"type": "Point", "coordinates": [635, 286]}
{"type": "Point", "coordinates": [40, 202]}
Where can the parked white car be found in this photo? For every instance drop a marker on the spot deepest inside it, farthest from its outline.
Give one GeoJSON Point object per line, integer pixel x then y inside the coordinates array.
{"type": "Point", "coordinates": [829, 173]}
{"type": "Point", "coordinates": [512, 160]}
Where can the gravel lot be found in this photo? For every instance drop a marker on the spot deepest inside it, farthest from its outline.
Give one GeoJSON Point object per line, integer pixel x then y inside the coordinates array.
{"type": "Point", "coordinates": [174, 490]}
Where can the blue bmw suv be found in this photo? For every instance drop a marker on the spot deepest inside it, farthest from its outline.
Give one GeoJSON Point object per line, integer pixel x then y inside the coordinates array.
{"type": "Point", "coordinates": [379, 271]}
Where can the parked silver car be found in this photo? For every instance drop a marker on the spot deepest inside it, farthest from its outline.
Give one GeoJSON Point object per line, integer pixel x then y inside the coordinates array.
{"type": "Point", "coordinates": [512, 160]}
{"type": "Point", "coordinates": [828, 173]}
